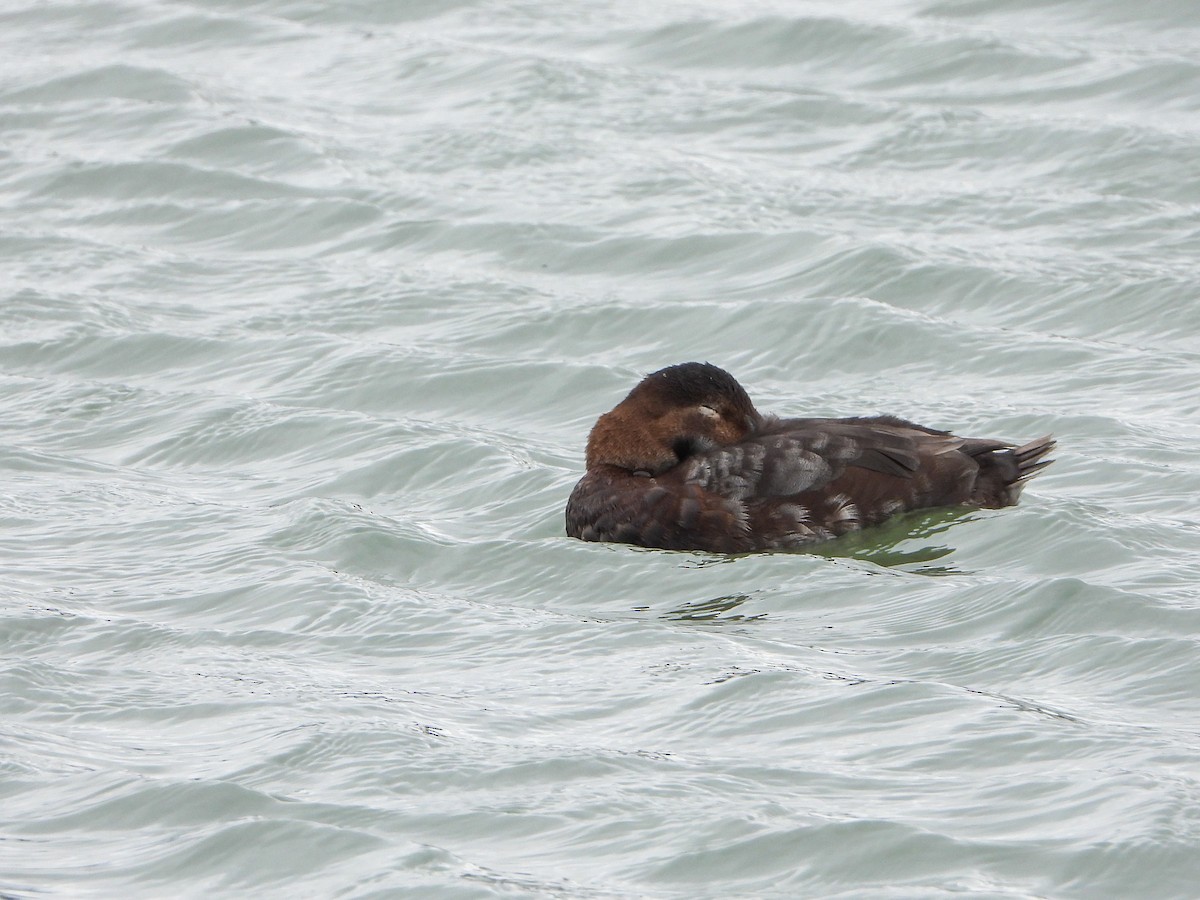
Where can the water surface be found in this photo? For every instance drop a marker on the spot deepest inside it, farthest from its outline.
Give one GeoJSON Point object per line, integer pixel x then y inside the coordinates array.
{"type": "Point", "coordinates": [307, 310]}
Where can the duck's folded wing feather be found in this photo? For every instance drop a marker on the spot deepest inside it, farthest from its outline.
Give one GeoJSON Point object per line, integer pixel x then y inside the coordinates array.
{"type": "Point", "coordinates": [768, 466]}
{"type": "Point", "coordinates": [805, 456]}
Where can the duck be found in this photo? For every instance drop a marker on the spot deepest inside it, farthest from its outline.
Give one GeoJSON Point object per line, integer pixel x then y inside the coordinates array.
{"type": "Point", "coordinates": [686, 462]}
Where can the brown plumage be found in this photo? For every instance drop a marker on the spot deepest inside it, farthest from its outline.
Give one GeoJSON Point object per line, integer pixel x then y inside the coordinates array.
{"type": "Point", "coordinates": [685, 462]}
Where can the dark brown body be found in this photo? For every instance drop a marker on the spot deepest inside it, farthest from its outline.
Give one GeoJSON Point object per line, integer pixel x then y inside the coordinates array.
{"type": "Point", "coordinates": [685, 462]}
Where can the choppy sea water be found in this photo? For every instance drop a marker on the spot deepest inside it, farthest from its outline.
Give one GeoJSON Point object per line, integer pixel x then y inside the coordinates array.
{"type": "Point", "coordinates": [308, 307]}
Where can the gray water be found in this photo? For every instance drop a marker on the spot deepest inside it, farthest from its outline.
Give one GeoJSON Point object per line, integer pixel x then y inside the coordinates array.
{"type": "Point", "coordinates": [307, 310]}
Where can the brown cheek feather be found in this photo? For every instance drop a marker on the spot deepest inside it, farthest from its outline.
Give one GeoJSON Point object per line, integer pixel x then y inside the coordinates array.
{"type": "Point", "coordinates": [614, 442]}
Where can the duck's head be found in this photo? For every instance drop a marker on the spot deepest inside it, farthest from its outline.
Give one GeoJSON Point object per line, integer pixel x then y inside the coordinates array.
{"type": "Point", "coordinates": [671, 414]}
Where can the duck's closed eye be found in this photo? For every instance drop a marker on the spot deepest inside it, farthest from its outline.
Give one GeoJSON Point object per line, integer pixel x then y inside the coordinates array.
{"type": "Point", "coordinates": [708, 412]}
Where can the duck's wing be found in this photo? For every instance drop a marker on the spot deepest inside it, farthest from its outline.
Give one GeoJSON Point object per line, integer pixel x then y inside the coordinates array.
{"type": "Point", "coordinates": [795, 456]}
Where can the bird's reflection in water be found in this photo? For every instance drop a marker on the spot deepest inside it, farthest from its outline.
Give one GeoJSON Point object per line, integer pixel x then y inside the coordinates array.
{"type": "Point", "coordinates": [712, 610]}
{"type": "Point", "coordinates": [882, 545]}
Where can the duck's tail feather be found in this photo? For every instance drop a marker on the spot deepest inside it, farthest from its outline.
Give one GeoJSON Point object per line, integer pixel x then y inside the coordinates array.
{"type": "Point", "coordinates": [1029, 457]}
{"type": "Point", "coordinates": [1003, 473]}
